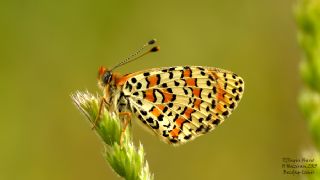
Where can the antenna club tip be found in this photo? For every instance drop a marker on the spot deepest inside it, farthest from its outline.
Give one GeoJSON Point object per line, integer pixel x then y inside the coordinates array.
{"type": "Point", "coordinates": [155, 49]}
{"type": "Point", "coordinates": [152, 41]}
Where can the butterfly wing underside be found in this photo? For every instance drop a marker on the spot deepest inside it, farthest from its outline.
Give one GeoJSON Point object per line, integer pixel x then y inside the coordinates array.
{"type": "Point", "coordinates": [181, 103]}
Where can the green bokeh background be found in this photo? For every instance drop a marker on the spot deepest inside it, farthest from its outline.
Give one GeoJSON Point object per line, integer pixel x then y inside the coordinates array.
{"type": "Point", "coordinates": [49, 49]}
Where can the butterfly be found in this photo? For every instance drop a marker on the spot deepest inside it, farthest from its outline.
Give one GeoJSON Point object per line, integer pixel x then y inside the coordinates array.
{"type": "Point", "coordinates": [177, 103]}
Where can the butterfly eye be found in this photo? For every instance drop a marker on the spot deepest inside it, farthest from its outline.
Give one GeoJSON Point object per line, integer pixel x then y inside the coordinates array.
{"type": "Point", "coordinates": [106, 77]}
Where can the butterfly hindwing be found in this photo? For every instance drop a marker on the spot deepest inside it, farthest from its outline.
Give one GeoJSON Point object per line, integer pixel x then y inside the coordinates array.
{"type": "Point", "coordinates": [181, 103]}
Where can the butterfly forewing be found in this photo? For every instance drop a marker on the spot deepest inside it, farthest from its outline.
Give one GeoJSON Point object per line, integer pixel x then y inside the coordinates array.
{"type": "Point", "coordinates": [181, 103]}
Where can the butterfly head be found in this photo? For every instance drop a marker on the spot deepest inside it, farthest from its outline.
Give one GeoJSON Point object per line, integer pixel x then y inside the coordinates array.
{"type": "Point", "coordinates": [104, 76]}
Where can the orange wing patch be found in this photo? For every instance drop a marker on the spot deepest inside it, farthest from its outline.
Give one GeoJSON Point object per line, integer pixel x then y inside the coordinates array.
{"type": "Point", "coordinates": [187, 73]}
{"type": "Point", "coordinates": [191, 81]}
{"type": "Point", "coordinates": [196, 92]}
{"type": "Point", "coordinates": [149, 95]}
{"type": "Point", "coordinates": [197, 104]}
{"type": "Point", "coordinates": [153, 80]}
{"type": "Point", "coordinates": [188, 112]}
{"type": "Point", "coordinates": [156, 112]}
{"type": "Point", "coordinates": [167, 96]}
{"type": "Point", "coordinates": [175, 132]}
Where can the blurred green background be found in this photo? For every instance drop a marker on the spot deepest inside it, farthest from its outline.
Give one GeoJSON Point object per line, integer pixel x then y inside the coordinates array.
{"type": "Point", "coordinates": [49, 49]}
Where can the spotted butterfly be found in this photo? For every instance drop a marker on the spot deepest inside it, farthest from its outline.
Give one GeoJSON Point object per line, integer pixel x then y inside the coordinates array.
{"type": "Point", "coordinates": [177, 103]}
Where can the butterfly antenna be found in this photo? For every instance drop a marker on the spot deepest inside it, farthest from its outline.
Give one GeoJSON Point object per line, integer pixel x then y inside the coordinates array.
{"type": "Point", "coordinates": [138, 54]}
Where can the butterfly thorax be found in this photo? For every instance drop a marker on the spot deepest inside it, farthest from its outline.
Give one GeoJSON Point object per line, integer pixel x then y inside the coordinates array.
{"type": "Point", "coordinates": [111, 85]}
{"type": "Point", "coordinates": [116, 100]}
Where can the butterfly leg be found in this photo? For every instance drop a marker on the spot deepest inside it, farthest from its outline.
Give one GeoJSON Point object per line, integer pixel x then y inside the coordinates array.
{"type": "Point", "coordinates": [127, 120]}
{"type": "Point", "coordinates": [101, 106]}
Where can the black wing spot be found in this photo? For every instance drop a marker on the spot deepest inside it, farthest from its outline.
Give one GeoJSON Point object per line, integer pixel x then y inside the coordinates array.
{"type": "Point", "coordinates": [214, 89]}
{"type": "Point", "coordinates": [170, 75]}
{"type": "Point", "coordinates": [170, 105]}
{"type": "Point", "coordinates": [174, 97]}
{"type": "Point", "coordinates": [172, 69]}
{"type": "Point", "coordinates": [184, 110]}
{"type": "Point", "coordinates": [176, 83]}
{"type": "Point", "coordinates": [211, 78]}
{"type": "Point", "coordinates": [136, 94]}
{"type": "Point", "coordinates": [200, 120]}
{"type": "Point", "coordinates": [146, 74]}
{"type": "Point", "coordinates": [187, 137]}
{"type": "Point", "coordinates": [207, 109]}
{"type": "Point", "coordinates": [237, 98]}
{"type": "Point", "coordinates": [185, 91]}
{"type": "Point", "coordinates": [160, 117]}
{"type": "Point", "coordinates": [232, 105]}
{"type": "Point", "coordinates": [139, 85]}
{"type": "Point", "coordinates": [150, 120]}
{"type": "Point", "coordinates": [164, 85]}
{"type": "Point", "coordinates": [173, 140]}
{"type": "Point", "coordinates": [213, 104]}
{"type": "Point", "coordinates": [158, 79]}
{"type": "Point", "coordinates": [209, 117]}
{"type": "Point", "coordinates": [234, 90]}
{"type": "Point", "coordinates": [199, 129]}
{"type": "Point", "coordinates": [190, 101]}
{"type": "Point", "coordinates": [153, 107]}
{"type": "Point", "coordinates": [208, 128]}
{"type": "Point", "coordinates": [182, 75]}
{"type": "Point", "coordinates": [144, 113]}
{"type": "Point", "coordinates": [208, 83]}
{"type": "Point", "coordinates": [216, 122]}
{"type": "Point", "coordinates": [155, 126]}
{"type": "Point", "coordinates": [240, 89]}
{"type": "Point", "coordinates": [165, 109]}
{"type": "Point", "coordinates": [240, 81]}
{"type": "Point", "coordinates": [133, 80]}
{"type": "Point", "coordinates": [175, 118]}
{"type": "Point", "coordinates": [140, 117]}
{"type": "Point", "coordinates": [225, 113]}
{"type": "Point", "coordinates": [139, 102]}
{"type": "Point", "coordinates": [167, 125]}
{"type": "Point", "coordinates": [169, 90]}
